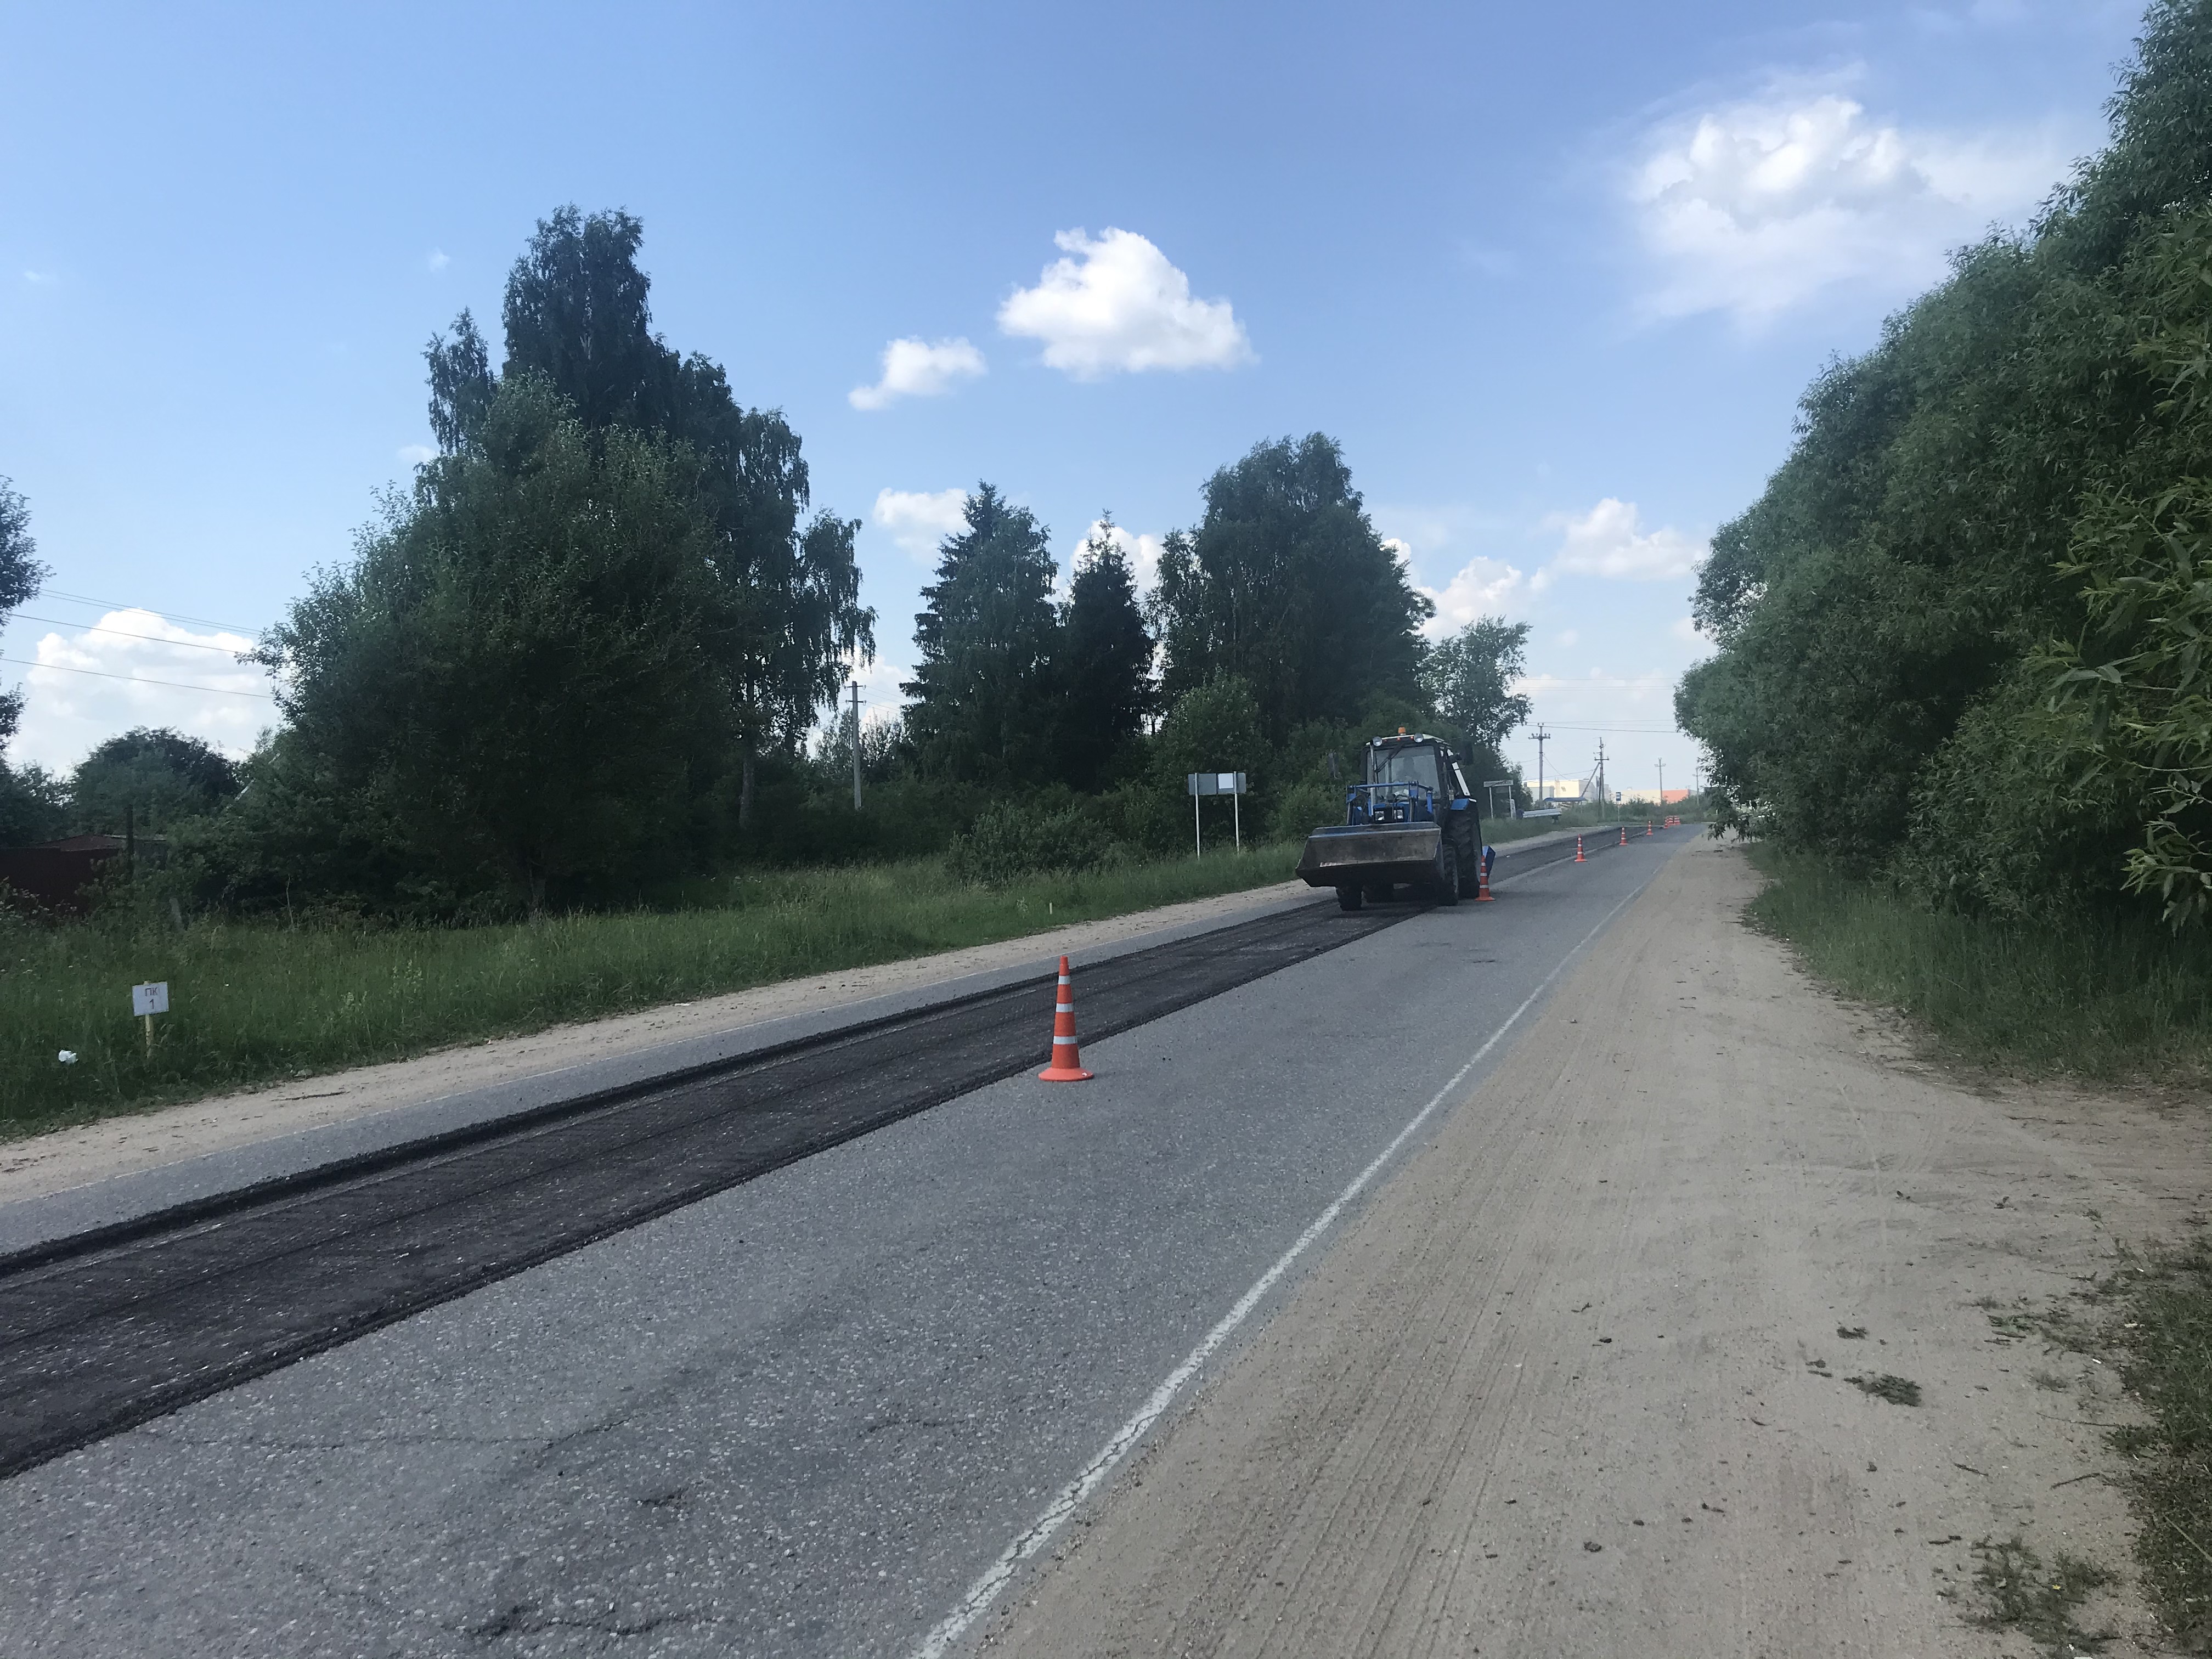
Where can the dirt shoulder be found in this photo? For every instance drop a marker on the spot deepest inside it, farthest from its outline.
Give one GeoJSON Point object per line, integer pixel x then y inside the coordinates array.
{"type": "Point", "coordinates": [38, 1165]}
{"type": "Point", "coordinates": [1576, 1380]}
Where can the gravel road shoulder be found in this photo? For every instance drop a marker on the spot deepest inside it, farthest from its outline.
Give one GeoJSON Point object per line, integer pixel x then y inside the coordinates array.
{"type": "Point", "coordinates": [1577, 1382]}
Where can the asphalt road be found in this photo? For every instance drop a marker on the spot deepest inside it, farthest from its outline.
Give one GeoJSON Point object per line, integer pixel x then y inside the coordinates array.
{"type": "Point", "coordinates": [800, 1416]}
{"type": "Point", "coordinates": [122, 1324]}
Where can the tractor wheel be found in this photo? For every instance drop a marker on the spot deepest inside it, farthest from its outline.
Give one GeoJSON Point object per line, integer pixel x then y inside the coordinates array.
{"type": "Point", "coordinates": [1447, 885]}
{"type": "Point", "coordinates": [1470, 872]}
{"type": "Point", "coordinates": [1350, 898]}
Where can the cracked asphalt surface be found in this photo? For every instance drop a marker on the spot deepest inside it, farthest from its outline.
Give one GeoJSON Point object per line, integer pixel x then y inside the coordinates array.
{"type": "Point", "coordinates": [799, 1416]}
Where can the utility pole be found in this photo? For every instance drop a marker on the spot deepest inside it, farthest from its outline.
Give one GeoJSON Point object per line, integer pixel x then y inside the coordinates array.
{"type": "Point", "coordinates": [856, 742]}
{"type": "Point", "coordinates": [1542, 734]}
{"type": "Point", "coordinates": [1662, 789]}
{"type": "Point", "coordinates": [1604, 794]}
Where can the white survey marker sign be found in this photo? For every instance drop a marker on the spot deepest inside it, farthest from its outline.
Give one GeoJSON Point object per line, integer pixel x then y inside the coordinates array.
{"type": "Point", "coordinates": [151, 998]}
{"type": "Point", "coordinates": [1217, 783]}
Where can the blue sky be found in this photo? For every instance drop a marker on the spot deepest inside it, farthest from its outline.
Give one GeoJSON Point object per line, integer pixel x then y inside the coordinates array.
{"type": "Point", "coordinates": [1554, 275]}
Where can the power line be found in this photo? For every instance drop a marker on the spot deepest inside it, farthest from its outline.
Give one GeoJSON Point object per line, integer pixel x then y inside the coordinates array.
{"type": "Point", "coordinates": [1557, 684]}
{"type": "Point", "coordinates": [134, 679]}
{"type": "Point", "coordinates": [121, 634]}
{"type": "Point", "coordinates": [121, 605]}
{"type": "Point", "coordinates": [1633, 730]}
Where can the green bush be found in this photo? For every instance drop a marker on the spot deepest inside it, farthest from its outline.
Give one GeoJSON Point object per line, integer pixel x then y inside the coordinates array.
{"type": "Point", "coordinates": [1306, 805]}
{"type": "Point", "coordinates": [1146, 814]}
{"type": "Point", "coordinates": [1011, 840]}
{"type": "Point", "coordinates": [2013, 817]}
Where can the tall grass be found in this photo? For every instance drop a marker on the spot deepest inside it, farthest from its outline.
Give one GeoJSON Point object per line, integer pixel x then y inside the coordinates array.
{"type": "Point", "coordinates": [2105, 999]}
{"type": "Point", "coordinates": [250, 1003]}
{"type": "Point", "coordinates": [2166, 1346]}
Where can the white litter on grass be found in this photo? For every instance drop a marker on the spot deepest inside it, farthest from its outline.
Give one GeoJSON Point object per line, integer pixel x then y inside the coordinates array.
{"type": "Point", "coordinates": [67, 1057]}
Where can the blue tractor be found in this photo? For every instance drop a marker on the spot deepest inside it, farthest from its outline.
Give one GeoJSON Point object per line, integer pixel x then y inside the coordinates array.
{"type": "Point", "coordinates": [1413, 822]}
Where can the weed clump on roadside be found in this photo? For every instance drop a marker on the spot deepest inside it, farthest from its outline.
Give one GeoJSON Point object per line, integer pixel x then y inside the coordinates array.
{"type": "Point", "coordinates": [1898, 1391]}
{"type": "Point", "coordinates": [2020, 1591]}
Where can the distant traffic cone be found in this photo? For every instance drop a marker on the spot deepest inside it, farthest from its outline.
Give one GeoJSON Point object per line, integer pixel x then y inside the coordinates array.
{"type": "Point", "coordinates": [1624, 835]}
{"type": "Point", "coordinates": [1647, 826]}
{"type": "Point", "coordinates": [1482, 880]}
{"type": "Point", "coordinates": [1067, 1062]}
{"type": "Point", "coordinates": [1579, 858]}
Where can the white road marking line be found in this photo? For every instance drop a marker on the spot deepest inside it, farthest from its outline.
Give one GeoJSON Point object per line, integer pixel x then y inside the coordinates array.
{"type": "Point", "coordinates": [986, 1589]}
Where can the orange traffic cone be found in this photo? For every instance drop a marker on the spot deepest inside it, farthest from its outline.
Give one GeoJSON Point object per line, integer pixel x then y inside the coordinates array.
{"type": "Point", "coordinates": [1579, 858]}
{"type": "Point", "coordinates": [1067, 1062]}
{"type": "Point", "coordinates": [1647, 826]}
{"type": "Point", "coordinates": [1482, 880]}
{"type": "Point", "coordinates": [1624, 835]}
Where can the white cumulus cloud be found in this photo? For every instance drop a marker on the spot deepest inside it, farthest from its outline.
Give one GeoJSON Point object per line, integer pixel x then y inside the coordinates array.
{"type": "Point", "coordinates": [1480, 587]}
{"type": "Point", "coordinates": [415, 454]}
{"type": "Point", "coordinates": [1116, 305]}
{"type": "Point", "coordinates": [1610, 540]}
{"type": "Point", "coordinates": [1759, 206]}
{"type": "Point", "coordinates": [138, 668]}
{"type": "Point", "coordinates": [880, 696]}
{"type": "Point", "coordinates": [918, 368]}
{"type": "Point", "coordinates": [436, 260]}
{"type": "Point", "coordinates": [917, 520]}
{"type": "Point", "coordinates": [1143, 552]}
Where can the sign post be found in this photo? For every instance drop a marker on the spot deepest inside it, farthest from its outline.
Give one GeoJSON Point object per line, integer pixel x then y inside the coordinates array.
{"type": "Point", "coordinates": [1233, 785]}
{"type": "Point", "coordinates": [147, 1000]}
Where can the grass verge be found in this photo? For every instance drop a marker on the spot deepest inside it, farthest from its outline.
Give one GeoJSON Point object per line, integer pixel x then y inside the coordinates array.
{"type": "Point", "coordinates": [2022, 1591]}
{"type": "Point", "coordinates": [2165, 1343]}
{"type": "Point", "coordinates": [2117, 999]}
{"type": "Point", "coordinates": [251, 1003]}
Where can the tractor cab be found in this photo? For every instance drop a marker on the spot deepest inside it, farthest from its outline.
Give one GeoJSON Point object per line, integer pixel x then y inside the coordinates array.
{"type": "Point", "coordinates": [1410, 779]}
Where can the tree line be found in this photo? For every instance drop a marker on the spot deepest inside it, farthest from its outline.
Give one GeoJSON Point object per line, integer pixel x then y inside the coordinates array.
{"type": "Point", "coordinates": [1961, 633]}
{"type": "Point", "coordinates": [595, 645]}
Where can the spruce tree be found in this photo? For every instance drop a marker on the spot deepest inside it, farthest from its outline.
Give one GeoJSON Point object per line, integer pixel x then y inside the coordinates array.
{"type": "Point", "coordinates": [1105, 662]}
{"type": "Point", "coordinates": [983, 705]}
